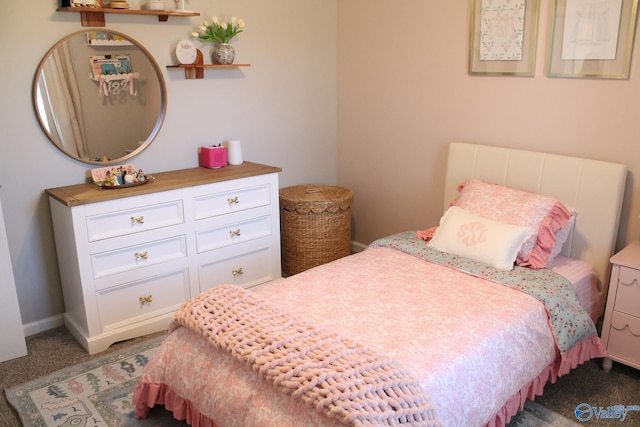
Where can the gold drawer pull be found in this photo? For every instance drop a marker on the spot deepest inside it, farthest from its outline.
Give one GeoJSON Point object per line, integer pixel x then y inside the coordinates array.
{"type": "Point", "coordinates": [233, 201]}
{"type": "Point", "coordinates": [146, 300]}
{"type": "Point", "coordinates": [234, 233]}
{"type": "Point", "coordinates": [138, 220]}
{"type": "Point", "coordinates": [237, 272]}
{"type": "Point", "coordinates": [141, 255]}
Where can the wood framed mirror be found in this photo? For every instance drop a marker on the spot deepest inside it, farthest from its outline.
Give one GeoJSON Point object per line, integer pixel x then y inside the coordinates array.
{"type": "Point", "coordinates": [99, 96]}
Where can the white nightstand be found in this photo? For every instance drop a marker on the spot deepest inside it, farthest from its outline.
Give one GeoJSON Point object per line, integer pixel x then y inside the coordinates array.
{"type": "Point", "coordinates": [621, 327]}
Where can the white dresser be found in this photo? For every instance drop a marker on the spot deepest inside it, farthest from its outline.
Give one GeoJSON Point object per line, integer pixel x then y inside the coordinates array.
{"type": "Point", "coordinates": [621, 327]}
{"type": "Point", "coordinates": [129, 257]}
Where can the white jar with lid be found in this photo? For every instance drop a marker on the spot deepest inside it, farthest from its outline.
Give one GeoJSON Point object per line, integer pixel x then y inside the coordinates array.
{"type": "Point", "coordinates": [155, 5]}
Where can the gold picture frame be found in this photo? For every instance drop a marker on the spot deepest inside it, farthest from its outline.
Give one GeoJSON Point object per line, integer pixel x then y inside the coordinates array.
{"type": "Point", "coordinates": [503, 37]}
{"type": "Point", "coordinates": [86, 3]}
{"type": "Point", "coordinates": [596, 42]}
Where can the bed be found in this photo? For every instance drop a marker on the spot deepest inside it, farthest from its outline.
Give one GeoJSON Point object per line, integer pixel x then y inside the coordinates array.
{"type": "Point", "coordinates": [406, 333]}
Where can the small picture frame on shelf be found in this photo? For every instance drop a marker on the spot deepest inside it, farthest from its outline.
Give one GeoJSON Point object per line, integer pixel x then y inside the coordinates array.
{"type": "Point", "coordinates": [82, 3]}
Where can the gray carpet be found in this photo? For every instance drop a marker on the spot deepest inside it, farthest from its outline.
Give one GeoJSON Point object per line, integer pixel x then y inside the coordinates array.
{"type": "Point", "coordinates": [57, 349]}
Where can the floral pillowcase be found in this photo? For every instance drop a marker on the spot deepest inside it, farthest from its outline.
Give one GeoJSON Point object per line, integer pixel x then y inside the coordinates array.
{"type": "Point", "coordinates": [512, 206]}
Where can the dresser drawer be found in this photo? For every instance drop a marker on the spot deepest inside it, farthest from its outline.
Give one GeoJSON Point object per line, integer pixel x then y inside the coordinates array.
{"type": "Point", "coordinates": [134, 220]}
{"type": "Point", "coordinates": [135, 301]}
{"type": "Point", "coordinates": [624, 337]}
{"type": "Point", "coordinates": [628, 293]}
{"type": "Point", "coordinates": [233, 233]}
{"type": "Point", "coordinates": [138, 256]}
{"type": "Point", "coordinates": [246, 269]}
{"type": "Point", "coordinates": [231, 200]}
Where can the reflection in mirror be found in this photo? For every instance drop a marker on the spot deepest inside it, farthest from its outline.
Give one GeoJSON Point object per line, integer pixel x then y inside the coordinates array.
{"type": "Point", "coordinates": [99, 96]}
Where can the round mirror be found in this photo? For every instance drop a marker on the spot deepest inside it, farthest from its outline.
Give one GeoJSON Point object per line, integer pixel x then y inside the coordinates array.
{"type": "Point", "coordinates": [99, 96]}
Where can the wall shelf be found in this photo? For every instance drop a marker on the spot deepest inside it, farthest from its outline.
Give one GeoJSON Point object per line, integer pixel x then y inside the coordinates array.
{"type": "Point", "coordinates": [94, 16]}
{"type": "Point", "coordinates": [196, 71]}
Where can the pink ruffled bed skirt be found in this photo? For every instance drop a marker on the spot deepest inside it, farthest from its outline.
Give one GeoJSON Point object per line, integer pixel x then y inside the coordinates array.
{"type": "Point", "coordinates": [583, 351]}
{"type": "Point", "coordinates": [147, 395]}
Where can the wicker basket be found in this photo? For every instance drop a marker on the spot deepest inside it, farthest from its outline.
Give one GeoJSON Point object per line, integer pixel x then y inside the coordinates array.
{"type": "Point", "coordinates": [315, 226]}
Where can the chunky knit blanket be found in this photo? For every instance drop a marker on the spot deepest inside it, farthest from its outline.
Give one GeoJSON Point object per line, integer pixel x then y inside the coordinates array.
{"type": "Point", "coordinates": [345, 380]}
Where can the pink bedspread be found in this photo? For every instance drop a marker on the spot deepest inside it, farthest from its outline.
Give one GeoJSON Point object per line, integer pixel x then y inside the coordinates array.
{"type": "Point", "coordinates": [478, 348]}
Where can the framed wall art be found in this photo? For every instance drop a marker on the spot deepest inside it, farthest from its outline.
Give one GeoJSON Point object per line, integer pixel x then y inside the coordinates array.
{"type": "Point", "coordinates": [82, 3]}
{"type": "Point", "coordinates": [592, 38]}
{"type": "Point", "coordinates": [502, 37]}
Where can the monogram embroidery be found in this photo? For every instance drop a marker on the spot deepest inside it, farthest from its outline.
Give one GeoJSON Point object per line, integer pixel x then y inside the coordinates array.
{"type": "Point", "coordinates": [472, 234]}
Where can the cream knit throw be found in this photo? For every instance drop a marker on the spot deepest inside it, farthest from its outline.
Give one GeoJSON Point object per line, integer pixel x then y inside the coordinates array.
{"type": "Point", "coordinates": [336, 376]}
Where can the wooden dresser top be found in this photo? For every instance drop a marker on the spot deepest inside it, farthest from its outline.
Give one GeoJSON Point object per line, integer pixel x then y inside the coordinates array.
{"type": "Point", "coordinates": [83, 194]}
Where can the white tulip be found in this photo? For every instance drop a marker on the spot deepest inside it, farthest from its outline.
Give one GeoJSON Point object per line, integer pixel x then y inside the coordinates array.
{"type": "Point", "coordinates": [224, 25]}
{"type": "Point", "coordinates": [233, 20]}
{"type": "Point", "coordinates": [241, 23]}
{"type": "Point", "coordinates": [205, 24]}
{"type": "Point", "coordinates": [203, 28]}
{"type": "Point", "coordinates": [195, 34]}
{"type": "Point", "coordinates": [215, 19]}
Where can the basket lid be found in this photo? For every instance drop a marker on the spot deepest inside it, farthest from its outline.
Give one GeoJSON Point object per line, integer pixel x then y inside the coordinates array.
{"type": "Point", "coordinates": [315, 198]}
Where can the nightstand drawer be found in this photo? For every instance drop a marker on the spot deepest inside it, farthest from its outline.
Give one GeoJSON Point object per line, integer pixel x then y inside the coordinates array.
{"type": "Point", "coordinates": [150, 297]}
{"type": "Point", "coordinates": [127, 221]}
{"type": "Point", "coordinates": [628, 293]}
{"type": "Point", "coordinates": [624, 336]}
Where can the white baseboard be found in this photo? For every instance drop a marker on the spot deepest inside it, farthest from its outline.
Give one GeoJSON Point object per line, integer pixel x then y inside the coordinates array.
{"type": "Point", "coordinates": [43, 325]}
{"type": "Point", "coordinates": [357, 247]}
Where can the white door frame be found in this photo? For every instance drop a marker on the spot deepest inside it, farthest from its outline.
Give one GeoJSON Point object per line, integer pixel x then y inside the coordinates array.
{"type": "Point", "coordinates": [12, 342]}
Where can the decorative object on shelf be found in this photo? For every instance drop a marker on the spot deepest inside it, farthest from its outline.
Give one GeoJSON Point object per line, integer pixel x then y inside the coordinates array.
{"type": "Point", "coordinates": [224, 54]}
{"type": "Point", "coordinates": [221, 33]}
{"type": "Point", "coordinates": [118, 5]}
{"type": "Point", "coordinates": [106, 38]}
{"type": "Point", "coordinates": [234, 152]}
{"type": "Point", "coordinates": [186, 52]}
{"type": "Point", "coordinates": [155, 5]}
{"type": "Point", "coordinates": [180, 5]}
{"type": "Point", "coordinates": [213, 157]}
{"type": "Point", "coordinates": [81, 3]}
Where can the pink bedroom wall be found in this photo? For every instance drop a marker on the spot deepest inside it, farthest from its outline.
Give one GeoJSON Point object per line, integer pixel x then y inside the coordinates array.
{"type": "Point", "coordinates": [404, 94]}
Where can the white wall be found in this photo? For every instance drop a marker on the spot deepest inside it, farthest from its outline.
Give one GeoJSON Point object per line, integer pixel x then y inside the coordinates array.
{"type": "Point", "coordinates": [282, 108]}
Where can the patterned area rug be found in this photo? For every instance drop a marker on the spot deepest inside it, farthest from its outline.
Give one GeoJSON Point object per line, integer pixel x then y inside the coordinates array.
{"type": "Point", "coordinates": [95, 393]}
{"type": "Point", "coordinates": [534, 415]}
{"type": "Point", "coordinates": [99, 392]}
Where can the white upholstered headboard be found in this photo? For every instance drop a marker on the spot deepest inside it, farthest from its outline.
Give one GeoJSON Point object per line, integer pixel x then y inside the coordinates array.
{"type": "Point", "coordinates": [593, 188]}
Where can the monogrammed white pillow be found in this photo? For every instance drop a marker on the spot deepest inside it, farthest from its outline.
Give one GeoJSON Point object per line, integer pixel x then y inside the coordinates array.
{"type": "Point", "coordinates": [481, 239]}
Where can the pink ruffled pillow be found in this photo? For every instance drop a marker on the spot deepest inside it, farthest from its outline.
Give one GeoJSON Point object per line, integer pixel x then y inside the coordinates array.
{"type": "Point", "coordinates": [506, 204]}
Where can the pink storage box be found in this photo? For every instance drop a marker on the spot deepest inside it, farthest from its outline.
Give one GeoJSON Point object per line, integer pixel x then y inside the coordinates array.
{"type": "Point", "coordinates": [213, 157]}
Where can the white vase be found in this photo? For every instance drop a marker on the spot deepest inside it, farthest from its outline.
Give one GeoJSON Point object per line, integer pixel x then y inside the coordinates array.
{"type": "Point", "coordinates": [234, 153]}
